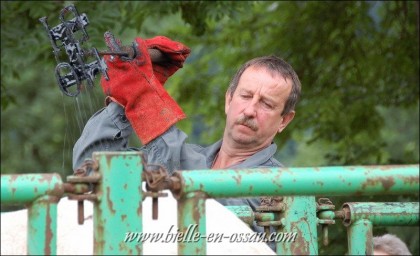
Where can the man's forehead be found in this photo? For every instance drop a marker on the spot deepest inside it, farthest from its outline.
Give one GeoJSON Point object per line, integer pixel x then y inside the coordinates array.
{"type": "Point", "coordinates": [258, 73]}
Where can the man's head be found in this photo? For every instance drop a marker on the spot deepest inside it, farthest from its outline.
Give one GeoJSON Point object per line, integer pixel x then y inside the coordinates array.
{"type": "Point", "coordinates": [260, 101]}
{"type": "Point", "coordinates": [389, 245]}
{"type": "Point", "coordinates": [276, 66]}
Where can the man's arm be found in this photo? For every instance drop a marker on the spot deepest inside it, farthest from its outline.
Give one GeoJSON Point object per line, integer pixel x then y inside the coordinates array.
{"type": "Point", "coordinates": [107, 130]}
{"type": "Point", "coordinates": [135, 91]}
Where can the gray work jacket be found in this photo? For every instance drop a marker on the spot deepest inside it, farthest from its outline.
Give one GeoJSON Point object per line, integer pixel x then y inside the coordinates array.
{"type": "Point", "coordinates": [108, 130]}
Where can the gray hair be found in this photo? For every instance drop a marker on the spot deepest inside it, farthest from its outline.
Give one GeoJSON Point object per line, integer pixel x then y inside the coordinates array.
{"type": "Point", "coordinates": [275, 65]}
{"type": "Point", "coordinates": [390, 244]}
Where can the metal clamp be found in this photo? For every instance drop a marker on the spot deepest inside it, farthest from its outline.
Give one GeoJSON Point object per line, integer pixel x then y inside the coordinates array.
{"type": "Point", "coordinates": [157, 179]}
{"type": "Point", "coordinates": [79, 186]}
{"type": "Point", "coordinates": [273, 205]}
{"type": "Point", "coordinates": [325, 211]}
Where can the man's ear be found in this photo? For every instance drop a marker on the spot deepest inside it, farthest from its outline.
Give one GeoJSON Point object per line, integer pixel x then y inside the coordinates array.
{"type": "Point", "coordinates": [228, 99]}
{"type": "Point", "coordinates": [286, 120]}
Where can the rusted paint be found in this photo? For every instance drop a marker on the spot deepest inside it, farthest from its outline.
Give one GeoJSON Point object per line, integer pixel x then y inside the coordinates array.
{"type": "Point", "coordinates": [48, 231]}
{"type": "Point", "coordinates": [237, 178]}
{"type": "Point", "coordinates": [80, 212]}
{"type": "Point", "coordinates": [197, 251]}
{"type": "Point", "coordinates": [109, 201]}
{"type": "Point", "coordinates": [99, 231]}
{"type": "Point", "coordinates": [139, 208]}
{"type": "Point", "coordinates": [299, 247]}
{"type": "Point", "coordinates": [410, 180]}
{"type": "Point", "coordinates": [387, 183]}
{"type": "Point", "coordinates": [191, 211]}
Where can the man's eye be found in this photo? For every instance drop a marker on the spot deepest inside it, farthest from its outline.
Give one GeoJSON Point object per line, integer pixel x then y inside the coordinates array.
{"type": "Point", "coordinates": [246, 96]}
{"type": "Point", "coordinates": [268, 105]}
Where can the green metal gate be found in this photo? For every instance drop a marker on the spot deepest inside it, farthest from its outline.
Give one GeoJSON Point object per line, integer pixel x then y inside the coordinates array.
{"type": "Point", "coordinates": [116, 180]}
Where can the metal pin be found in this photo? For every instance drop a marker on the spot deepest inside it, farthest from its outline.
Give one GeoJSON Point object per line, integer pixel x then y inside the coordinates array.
{"type": "Point", "coordinates": [80, 212]}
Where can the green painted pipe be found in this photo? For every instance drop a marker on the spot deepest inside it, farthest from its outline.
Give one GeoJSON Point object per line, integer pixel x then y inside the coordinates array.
{"type": "Point", "coordinates": [300, 225]}
{"type": "Point", "coordinates": [25, 188]}
{"type": "Point", "coordinates": [243, 212]}
{"type": "Point", "coordinates": [383, 214]}
{"type": "Point", "coordinates": [117, 218]}
{"type": "Point", "coordinates": [247, 215]}
{"type": "Point", "coordinates": [42, 226]}
{"type": "Point", "coordinates": [330, 181]}
{"type": "Point", "coordinates": [192, 224]}
{"type": "Point", "coordinates": [326, 215]}
{"type": "Point", "coordinates": [359, 238]}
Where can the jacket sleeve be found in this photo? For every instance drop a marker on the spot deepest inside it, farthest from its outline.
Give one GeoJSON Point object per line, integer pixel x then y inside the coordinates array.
{"type": "Point", "coordinates": [107, 130]}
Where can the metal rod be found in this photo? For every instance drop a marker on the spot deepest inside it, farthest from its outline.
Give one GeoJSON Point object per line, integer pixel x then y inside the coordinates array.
{"type": "Point", "coordinates": [384, 214]}
{"type": "Point", "coordinates": [156, 56]}
{"type": "Point", "coordinates": [114, 53]}
{"type": "Point", "coordinates": [192, 224]}
{"type": "Point", "coordinates": [330, 181]}
{"type": "Point", "coordinates": [118, 210]}
{"type": "Point", "coordinates": [359, 238]}
{"type": "Point", "coordinates": [25, 188]}
{"type": "Point", "coordinates": [42, 226]}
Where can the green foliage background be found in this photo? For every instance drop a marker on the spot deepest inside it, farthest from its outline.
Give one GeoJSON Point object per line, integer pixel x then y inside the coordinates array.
{"type": "Point", "coordinates": [358, 62]}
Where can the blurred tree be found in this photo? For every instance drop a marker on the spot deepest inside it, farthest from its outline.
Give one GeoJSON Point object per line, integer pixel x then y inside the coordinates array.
{"type": "Point", "coordinates": [357, 61]}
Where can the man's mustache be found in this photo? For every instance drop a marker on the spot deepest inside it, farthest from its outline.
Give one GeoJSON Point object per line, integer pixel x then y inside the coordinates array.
{"type": "Point", "coordinates": [247, 121]}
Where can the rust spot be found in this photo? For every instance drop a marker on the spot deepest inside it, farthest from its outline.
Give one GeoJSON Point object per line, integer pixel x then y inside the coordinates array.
{"type": "Point", "coordinates": [48, 229]}
{"type": "Point", "coordinates": [123, 217]}
{"type": "Point", "coordinates": [238, 179]}
{"type": "Point", "coordinates": [387, 183]}
{"type": "Point", "coordinates": [411, 180]}
{"type": "Point", "coordinates": [139, 209]}
{"type": "Point", "coordinates": [99, 242]}
{"type": "Point", "coordinates": [109, 201]}
{"type": "Point", "coordinates": [299, 247]}
{"type": "Point", "coordinates": [125, 186]}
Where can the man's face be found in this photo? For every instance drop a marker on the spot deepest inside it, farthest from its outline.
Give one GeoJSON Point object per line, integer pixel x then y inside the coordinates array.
{"type": "Point", "coordinates": [254, 110]}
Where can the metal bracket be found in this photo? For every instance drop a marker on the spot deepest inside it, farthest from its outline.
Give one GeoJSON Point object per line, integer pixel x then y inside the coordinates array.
{"type": "Point", "coordinates": [325, 205]}
{"type": "Point", "coordinates": [79, 186]}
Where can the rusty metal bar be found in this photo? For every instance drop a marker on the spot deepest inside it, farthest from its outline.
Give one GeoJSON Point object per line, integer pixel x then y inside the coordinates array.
{"type": "Point", "coordinates": [359, 238]}
{"type": "Point", "coordinates": [26, 188]}
{"type": "Point", "coordinates": [42, 226]}
{"type": "Point", "coordinates": [247, 215]}
{"type": "Point", "coordinates": [383, 214]}
{"type": "Point", "coordinates": [300, 218]}
{"type": "Point", "coordinates": [118, 209]}
{"type": "Point", "coordinates": [331, 181]}
{"type": "Point", "coordinates": [192, 224]}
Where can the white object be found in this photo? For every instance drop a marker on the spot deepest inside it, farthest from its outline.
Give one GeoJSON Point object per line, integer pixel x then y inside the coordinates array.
{"type": "Point", "coordinates": [74, 239]}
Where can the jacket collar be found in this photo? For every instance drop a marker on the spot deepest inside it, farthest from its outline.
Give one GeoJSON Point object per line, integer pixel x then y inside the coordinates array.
{"type": "Point", "coordinates": [255, 160]}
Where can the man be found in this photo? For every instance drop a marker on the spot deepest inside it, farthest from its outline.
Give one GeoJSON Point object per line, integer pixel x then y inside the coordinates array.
{"type": "Point", "coordinates": [260, 103]}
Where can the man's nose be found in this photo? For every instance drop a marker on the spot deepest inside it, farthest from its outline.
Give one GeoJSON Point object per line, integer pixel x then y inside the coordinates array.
{"type": "Point", "coordinates": [251, 108]}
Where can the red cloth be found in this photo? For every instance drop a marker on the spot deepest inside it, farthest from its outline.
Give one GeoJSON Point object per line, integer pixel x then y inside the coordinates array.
{"type": "Point", "coordinates": [138, 87]}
